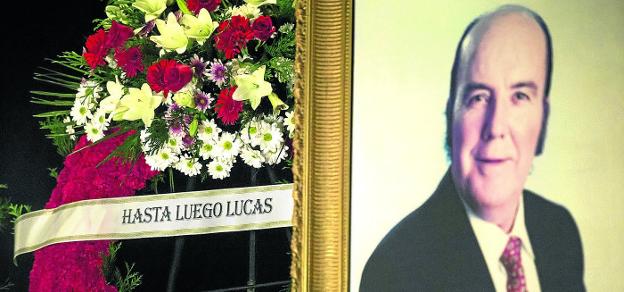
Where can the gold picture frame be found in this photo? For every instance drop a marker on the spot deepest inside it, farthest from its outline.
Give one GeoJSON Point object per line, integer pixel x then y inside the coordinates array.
{"type": "Point", "coordinates": [321, 167]}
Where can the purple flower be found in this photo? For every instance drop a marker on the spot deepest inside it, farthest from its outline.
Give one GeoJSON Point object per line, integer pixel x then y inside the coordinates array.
{"type": "Point", "coordinates": [217, 72]}
{"type": "Point", "coordinates": [145, 30]}
{"type": "Point", "coordinates": [169, 113]}
{"type": "Point", "coordinates": [178, 14]}
{"type": "Point", "coordinates": [188, 141]}
{"type": "Point", "coordinates": [203, 100]}
{"type": "Point", "coordinates": [176, 128]}
{"type": "Point", "coordinates": [187, 120]}
{"type": "Point", "coordinates": [198, 65]}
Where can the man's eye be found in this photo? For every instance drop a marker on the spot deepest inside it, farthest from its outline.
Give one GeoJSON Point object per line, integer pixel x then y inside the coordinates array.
{"type": "Point", "coordinates": [476, 99]}
{"type": "Point", "coordinates": [520, 96]}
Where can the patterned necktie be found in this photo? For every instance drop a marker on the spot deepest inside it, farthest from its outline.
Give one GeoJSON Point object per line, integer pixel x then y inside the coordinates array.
{"type": "Point", "coordinates": [513, 264]}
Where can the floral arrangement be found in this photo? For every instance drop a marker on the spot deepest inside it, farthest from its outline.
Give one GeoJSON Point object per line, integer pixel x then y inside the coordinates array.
{"type": "Point", "coordinates": [201, 84]}
{"type": "Point", "coordinates": [195, 86]}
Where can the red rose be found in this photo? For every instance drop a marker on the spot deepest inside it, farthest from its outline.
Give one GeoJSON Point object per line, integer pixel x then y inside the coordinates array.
{"type": "Point", "coordinates": [168, 75]}
{"type": "Point", "coordinates": [227, 108]}
{"type": "Point", "coordinates": [95, 50]}
{"type": "Point", "coordinates": [117, 35]}
{"type": "Point", "coordinates": [263, 28]}
{"type": "Point", "coordinates": [130, 60]}
{"type": "Point", "coordinates": [233, 35]}
{"type": "Point", "coordinates": [197, 5]}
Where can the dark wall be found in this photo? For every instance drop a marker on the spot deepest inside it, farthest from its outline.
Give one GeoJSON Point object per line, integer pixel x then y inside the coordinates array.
{"type": "Point", "coordinates": [44, 29]}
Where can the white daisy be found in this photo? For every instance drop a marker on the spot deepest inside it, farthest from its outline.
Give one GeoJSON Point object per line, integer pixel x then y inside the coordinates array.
{"type": "Point", "coordinates": [252, 157]}
{"type": "Point", "coordinates": [250, 133]}
{"type": "Point", "coordinates": [208, 130]}
{"type": "Point", "coordinates": [175, 144]}
{"type": "Point", "coordinates": [189, 166]}
{"type": "Point", "coordinates": [100, 120]}
{"type": "Point", "coordinates": [69, 129]}
{"type": "Point", "coordinates": [275, 157]}
{"type": "Point", "coordinates": [271, 138]}
{"type": "Point", "coordinates": [80, 112]}
{"type": "Point", "coordinates": [220, 168]}
{"type": "Point", "coordinates": [162, 159]}
{"type": "Point", "coordinates": [94, 133]}
{"type": "Point", "coordinates": [152, 161]}
{"type": "Point", "coordinates": [209, 149]}
{"type": "Point", "coordinates": [88, 88]}
{"type": "Point", "coordinates": [289, 123]}
{"type": "Point", "coordinates": [248, 10]}
{"type": "Point", "coordinates": [228, 145]}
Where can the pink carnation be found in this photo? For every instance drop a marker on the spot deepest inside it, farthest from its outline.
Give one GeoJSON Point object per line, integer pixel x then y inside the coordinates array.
{"type": "Point", "coordinates": [76, 266]}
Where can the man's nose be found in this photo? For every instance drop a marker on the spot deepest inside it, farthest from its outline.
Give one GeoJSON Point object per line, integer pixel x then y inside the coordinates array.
{"type": "Point", "coordinates": [496, 123]}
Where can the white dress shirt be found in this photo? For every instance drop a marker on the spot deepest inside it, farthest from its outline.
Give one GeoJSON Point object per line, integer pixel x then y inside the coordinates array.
{"type": "Point", "coordinates": [492, 241]}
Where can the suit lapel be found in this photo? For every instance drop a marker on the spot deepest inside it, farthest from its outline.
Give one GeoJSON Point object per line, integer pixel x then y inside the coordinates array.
{"type": "Point", "coordinates": [540, 241]}
{"type": "Point", "coordinates": [468, 271]}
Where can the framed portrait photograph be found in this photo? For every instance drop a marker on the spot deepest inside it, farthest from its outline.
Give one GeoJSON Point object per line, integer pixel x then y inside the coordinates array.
{"type": "Point", "coordinates": [474, 134]}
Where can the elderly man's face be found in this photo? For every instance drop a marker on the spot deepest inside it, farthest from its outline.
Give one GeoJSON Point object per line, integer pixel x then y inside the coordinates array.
{"type": "Point", "coordinates": [498, 110]}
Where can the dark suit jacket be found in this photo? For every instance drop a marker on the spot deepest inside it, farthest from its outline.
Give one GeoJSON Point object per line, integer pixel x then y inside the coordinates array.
{"type": "Point", "coordinates": [435, 249]}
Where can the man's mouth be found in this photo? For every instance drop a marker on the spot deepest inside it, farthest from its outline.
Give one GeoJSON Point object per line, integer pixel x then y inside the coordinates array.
{"type": "Point", "coordinates": [491, 160]}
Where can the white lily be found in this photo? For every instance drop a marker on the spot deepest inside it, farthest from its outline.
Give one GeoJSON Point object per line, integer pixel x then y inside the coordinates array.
{"type": "Point", "coordinates": [260, 2]}
{"type": "Point", "coordinates": [252, 87]}
{"type": "Point", "coordinates": [138, 104]}
{"type": "Point", "coordinates": [199, 28]}
{"type": "Point", "coordinates": [171, 36]}
{"type": "Point", "coordinates": [116, 91]}
{"type": "Point", "coordinates": [151, 8]}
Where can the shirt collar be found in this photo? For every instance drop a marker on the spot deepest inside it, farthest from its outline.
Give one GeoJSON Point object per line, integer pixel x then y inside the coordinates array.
{"type": "Point", "coordinates": [492, 239]}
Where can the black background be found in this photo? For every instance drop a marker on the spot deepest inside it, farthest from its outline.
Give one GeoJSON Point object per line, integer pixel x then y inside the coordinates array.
{"type": "Point", "coordinates": [31, 31]}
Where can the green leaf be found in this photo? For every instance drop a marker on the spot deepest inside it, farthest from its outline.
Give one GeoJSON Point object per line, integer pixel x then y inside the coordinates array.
{"type": "Point", "coordinates": [128, 151]}
{"type": "Point", "coordinates": [68, 86]}
{"type": "Point", "coordinates": [51, 114]}
{"type": "Point", "coordinates": [71, 77]}
{"type": "Point", "coordinates": [52, 102]}
{"type": "Point", "coordinates": [283, 46]}
{"type": "Point", "coordinates": [55, 94]}
{"type": "Point", "coordinates": [284, 69]}
{"type": "Point", "coordinates": [56, 127]}
{"type": "Point", "coordinates": [121, 131]}
{"type": "Point", "coordinates": [53, 172]}
{"type": "Point", "coordinates": [193, 127]}
{"type": "Point", "coordinates": [57, 135]}
{"type": "Point", "coordinates": [124, 283]}
{"type": "Point", "coordinates": [286, 9]}
{"type": "Point", "coordinates": [56, 78]}
{"type": "Point", "coordinates": [158, 135]}
{"type": "Point", "coordinates": [71, 64]}
{"type": "Point", "coordinates": [6, 285]}
{"type": "Point", "coordinates": [182, 6]}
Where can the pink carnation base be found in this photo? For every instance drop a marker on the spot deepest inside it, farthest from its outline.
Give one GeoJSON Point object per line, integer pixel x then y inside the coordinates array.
{"type": "Point", "coordinates": [77, 266]}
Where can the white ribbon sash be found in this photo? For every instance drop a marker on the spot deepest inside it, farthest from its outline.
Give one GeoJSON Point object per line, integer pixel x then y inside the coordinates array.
{"type": "Point", "coordinates": [174, 214]}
